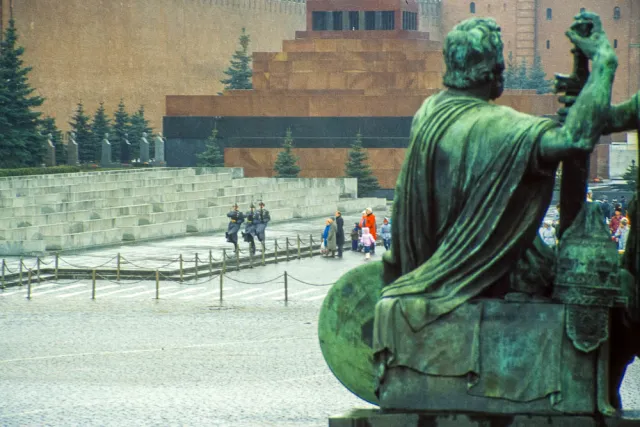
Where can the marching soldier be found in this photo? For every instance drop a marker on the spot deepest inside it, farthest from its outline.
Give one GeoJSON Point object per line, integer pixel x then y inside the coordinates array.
{"type": "Point", "coordinates": [260, 219]}
{"type": "Point", "coordinates": [235, 220]}
{"type": "Point", "coordinates": [250, 228]}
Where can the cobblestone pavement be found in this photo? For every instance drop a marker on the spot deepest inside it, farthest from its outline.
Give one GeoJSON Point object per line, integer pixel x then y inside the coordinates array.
{"type": "Point", "coordinates": [185, 359]}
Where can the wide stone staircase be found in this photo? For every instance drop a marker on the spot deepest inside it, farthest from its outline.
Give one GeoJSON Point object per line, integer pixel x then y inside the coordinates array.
{"type": "Point", "coordinates": [49, 213]}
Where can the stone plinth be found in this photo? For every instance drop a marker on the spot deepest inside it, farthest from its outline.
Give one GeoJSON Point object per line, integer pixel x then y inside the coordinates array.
{"type": "Point", "coordinates": [376, 418]}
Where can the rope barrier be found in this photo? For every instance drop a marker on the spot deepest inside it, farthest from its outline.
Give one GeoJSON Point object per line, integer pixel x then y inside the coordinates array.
{"type": "Point", "coordinates": [253, 283]}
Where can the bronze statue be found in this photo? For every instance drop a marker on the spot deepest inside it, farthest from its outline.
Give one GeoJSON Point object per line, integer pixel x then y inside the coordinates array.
{"type": "Point", "coordinates": [474, 313]}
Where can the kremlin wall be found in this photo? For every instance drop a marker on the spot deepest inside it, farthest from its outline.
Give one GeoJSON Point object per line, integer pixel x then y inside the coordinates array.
{"type": "Point", "coordinates": [327, 69]}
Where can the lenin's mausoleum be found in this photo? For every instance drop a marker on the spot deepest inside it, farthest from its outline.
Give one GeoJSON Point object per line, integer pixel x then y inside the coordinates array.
{"type": "Point", "coordinates": [358, 67]}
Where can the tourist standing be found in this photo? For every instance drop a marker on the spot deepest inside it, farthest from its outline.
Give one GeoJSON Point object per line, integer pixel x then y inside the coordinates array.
{"type": "Point", "coordinates": [370, 223]}
{"type": "Point", "coordinates": [329, 238]}
{"type": "Point", "coordinates": [622, 234]}
{"type": "Point", "coordinates": [548, 234]}
{"type": "Point", "coordinates": [385, 232]}
{"type": "Point", "coordinates": [615, 221]}
{"type": "Point", "coordinates": [339, 233]}
{"type": "Point", "coordinates": [235, 220]}
{"type": "Point", "coordinates": [368, 242]}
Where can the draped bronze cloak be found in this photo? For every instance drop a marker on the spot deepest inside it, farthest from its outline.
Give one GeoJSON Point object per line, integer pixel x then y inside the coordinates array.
{"type": "Point", "coordinates": [469, 201]}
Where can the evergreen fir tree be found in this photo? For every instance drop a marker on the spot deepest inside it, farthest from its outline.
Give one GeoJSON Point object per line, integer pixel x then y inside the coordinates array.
{"type": "Point", "coordinates": [48, 126]}
{"type": "Point", "coordinates": [521, 76]}
{"type": "Point", "coordinates": [357, 167]}
{"type": "Point", "coordinates": [239, 71]}
{"type": "Point", "coordinates": [21, 143]}
{"type": "Point", "coordinates": [100, 126]}
{"type": "Point", "coordinates": [537, 77]}
{"type": "Point", "coordinates": [510, 72]}
{"type": "Point", "coordinates": [81, 126]}
{"type": "Point", "coordinates": [213, 155]}
{"type": "Point", "coordinates": [286, 163]}
{"type": "Point", "coordinates": [137, 126]}
{"type": "Point", "coordinates": [631, 176]}
{"type": "Point", "coordinates": [120, 130]}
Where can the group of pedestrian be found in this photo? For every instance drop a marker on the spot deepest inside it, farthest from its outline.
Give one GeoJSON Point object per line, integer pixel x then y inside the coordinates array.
{"type": "Point", "coordinates": [614, 214]}
{"type": "Point", "coordinates": [255, 225]}
{"type": "Point", "coordinates": [364, 235]}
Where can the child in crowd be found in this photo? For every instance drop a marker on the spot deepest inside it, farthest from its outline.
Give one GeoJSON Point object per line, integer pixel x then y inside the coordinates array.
{"type": "Point", "coordinates": [355, 237]}
{"type": "Point", "coordinates": [385, 232]}
{"type": "Point", "coordinates": [367, 241]}
{"type": "Point", "coordinates": [622, 233]}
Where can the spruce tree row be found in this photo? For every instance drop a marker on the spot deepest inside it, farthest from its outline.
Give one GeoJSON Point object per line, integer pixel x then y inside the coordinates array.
{"type": "Point", "coordinates": [522, 76]}
{"type": "Point", "coordinates": [24, 133]}
{"type": "Point", "coordinates": [125, 126]}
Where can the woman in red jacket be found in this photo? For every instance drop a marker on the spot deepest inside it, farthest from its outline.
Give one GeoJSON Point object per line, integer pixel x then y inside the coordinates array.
{"type": "Point", "coordinates": [370, 222]}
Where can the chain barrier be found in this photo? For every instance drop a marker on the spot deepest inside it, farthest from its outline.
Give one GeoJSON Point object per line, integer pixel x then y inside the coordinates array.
{"type": "Point", "coordinates": [46, 263]}
{"type": "Point", "coordinates": [126, 261]}
{"type": "Point", "coordinates": [252, 283]}
{"type": "Point", "coordinates": [88, 267]}
{"type": "Point", "coordinates": [6, 266]}
{"type": "Point", "coordinates": [310, 284]}
{"type": "Point", "coordinates": [128, 282]}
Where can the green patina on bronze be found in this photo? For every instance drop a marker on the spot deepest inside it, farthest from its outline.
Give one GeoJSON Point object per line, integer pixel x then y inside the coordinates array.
{"type": "Point", "coordinates": [470, 311]}
{"type": "Point", "coordinates": [345, 329]}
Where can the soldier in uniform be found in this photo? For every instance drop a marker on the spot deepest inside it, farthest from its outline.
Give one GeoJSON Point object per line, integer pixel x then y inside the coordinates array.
{"type": "Point", "coordinates": [250, 228]}
{"type": "Point", "coordinates": [260, 219]}
{"type": "Point", "coordinates": [235, 220]}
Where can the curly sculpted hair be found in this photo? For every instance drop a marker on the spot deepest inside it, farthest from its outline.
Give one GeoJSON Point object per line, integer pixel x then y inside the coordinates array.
{"type": "Point", "coordinates": [473, 54]}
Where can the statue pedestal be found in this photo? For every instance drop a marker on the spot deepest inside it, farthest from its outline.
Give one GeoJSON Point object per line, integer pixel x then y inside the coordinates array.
{"type": "Point", "coordinates": [377, 418]}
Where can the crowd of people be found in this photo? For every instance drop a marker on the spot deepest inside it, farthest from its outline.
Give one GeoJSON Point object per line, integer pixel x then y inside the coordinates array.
{"type": "Point", "coordinates": [615, 216]}
{"type": "Point", "coordinates": [364, 235]}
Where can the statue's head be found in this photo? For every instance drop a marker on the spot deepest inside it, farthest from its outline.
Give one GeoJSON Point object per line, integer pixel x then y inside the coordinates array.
{"type": "Point", "coordinates": [473, 56]}
{"type": "Point", "coordinates": [73, 135]}
{"type": "Point", "coordinates": [106, 136]}
{"type": "Point", "coordinates": [144, 134]}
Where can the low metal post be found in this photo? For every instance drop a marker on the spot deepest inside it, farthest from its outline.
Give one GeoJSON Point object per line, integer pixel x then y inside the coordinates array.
{"type": "Point", "coordinates": [310, 246]}
{"type": "Point", "coordinates": [250, 258]}
{"type": "Point", "coordinates": [56, 265]}
{"type": "Point", "coordinates": [38, 268]}
{"type": "Point", "coordinates": [210, 263]}
{"type": "Point", "coordinates": [286, 246]}
{"type": "Point", "coordinates": [286, 288]}
{"type": "Point", "coordinates": [93, 284]}
{"type": "Point", "coordinates": [118, 267]}
{"type": "Point", "coordinates": [21, 264]}
{"type": "Point", "coordinates": [223, 271]}
{"type": "Point", "coordinates": [157, 284]}
{"type": "Point", "coordinates": [237, 259]}
{"type": "Point", "coordinates": [3, 267]}
{"type": "Point", "coordinates": [276, 250]}
{"type": "Point", "coordinates": [29, 285]}
{"type": "Point", "coordinates": [298, 240]}
{"type": "Point", "coordinates": [263, 250]}
{"type": "Point", "coordinates": [181, 272]}
{"type": "Point", "coordinates": [196, 267]}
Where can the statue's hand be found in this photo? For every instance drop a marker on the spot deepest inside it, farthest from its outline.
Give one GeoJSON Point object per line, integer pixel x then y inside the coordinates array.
{"type": "Point", "coordinates": [587, 35]}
